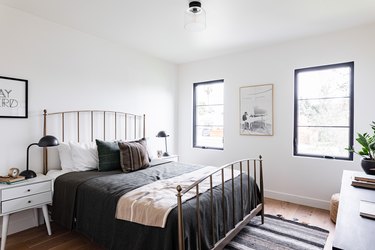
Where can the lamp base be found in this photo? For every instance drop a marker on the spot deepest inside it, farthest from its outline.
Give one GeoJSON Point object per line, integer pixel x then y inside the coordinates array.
{"type": "Point", "coordinates": [165, 154]}
{"type": "Point", "coordinates": [28, 174]}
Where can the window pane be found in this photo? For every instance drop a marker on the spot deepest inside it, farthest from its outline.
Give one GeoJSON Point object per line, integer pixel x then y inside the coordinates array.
{"type": "Point", "coordinates": [323, 141]}
{"type": "Point", "coordinates": [210, 115]}
{"type": "Point", "coordinates": [324, 112]}
{"type": "Point", "coordinates": [209, 137]}
{"type": "Point", "coordinates": [323, 118]}
{"type": "Point", "coordinates": [211, 93]}
{"type": "Point", "coordinates": [332, 82]}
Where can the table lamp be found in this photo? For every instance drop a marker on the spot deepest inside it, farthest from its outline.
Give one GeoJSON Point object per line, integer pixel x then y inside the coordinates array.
{"type": "Point", "coordinates": [46, 141]}
{"type": "Point", "coordinates": [162, 134]}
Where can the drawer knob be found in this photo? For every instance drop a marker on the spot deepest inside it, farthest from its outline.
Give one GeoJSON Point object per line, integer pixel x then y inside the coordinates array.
{"type": "Point", "coordinates": [28, 190]}
{"type": "Point", "coordinates": [29, 202]}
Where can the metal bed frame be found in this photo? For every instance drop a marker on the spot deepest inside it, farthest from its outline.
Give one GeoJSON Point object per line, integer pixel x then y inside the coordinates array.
{"type": "Point", "coordinates": [248, 164]}
{"type": "Point", "coordinates": [116, 116]}
{"type": "Point", "coordinates": [221, 243]}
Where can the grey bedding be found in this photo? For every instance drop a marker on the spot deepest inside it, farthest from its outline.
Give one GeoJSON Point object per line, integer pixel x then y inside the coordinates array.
{"type": "Point", "coordinates": [86, 202]}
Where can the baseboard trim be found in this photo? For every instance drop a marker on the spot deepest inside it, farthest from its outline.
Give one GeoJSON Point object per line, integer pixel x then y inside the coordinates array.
{"type": "Point", "coordinates": [302, 200]}
{"type": "Point", "coordinates": [20, 221]}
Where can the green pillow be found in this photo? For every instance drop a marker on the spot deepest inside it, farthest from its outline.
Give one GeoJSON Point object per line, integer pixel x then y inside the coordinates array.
{"type": "Point", "coordinates": [109, 155]}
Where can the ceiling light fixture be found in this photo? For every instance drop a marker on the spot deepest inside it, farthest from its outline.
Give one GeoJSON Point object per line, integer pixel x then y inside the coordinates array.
{"type": "Point", "coordinates": [195, 17]}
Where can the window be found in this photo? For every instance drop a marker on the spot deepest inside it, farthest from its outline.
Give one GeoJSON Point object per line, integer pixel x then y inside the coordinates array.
{"type": "Point", "coordinates": [208, 112]}
{"type": "Point", "coordinates": [323, 111]}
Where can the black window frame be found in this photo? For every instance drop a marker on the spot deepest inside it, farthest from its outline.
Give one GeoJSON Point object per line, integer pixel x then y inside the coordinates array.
{"type": "Point", "coordinates": [351, 109]}
{"type": "Point", "coordinates": [194, 114]}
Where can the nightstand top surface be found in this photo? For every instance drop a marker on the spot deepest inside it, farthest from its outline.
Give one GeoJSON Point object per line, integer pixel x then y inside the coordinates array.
{"type": "Point", "coordinates": [39, 178]}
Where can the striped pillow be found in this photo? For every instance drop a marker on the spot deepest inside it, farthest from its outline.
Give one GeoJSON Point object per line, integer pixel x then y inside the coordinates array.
{"type": "Point", "coordinates": [133, 155]}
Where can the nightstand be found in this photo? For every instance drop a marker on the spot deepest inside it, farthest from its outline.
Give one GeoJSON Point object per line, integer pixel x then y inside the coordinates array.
{"type": "Point", "coordinates": [171, 158]}
{"type": "Point", "coordinates": [31, 193]}
{"type": "Point", "coordinates": [164, 159]}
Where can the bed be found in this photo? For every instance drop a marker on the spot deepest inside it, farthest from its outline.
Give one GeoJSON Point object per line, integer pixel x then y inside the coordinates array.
{"type": "Point", "coordinates": [208, 212]}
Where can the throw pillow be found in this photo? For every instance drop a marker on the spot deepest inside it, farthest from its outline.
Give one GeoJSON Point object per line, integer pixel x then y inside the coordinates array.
{"type": "Point", "coordinates": [109, 155]}
{"type": "Point", "coordinates": [133, 155]}
{"type": "Point", "coordinates": [66, 161]}
{"type": "Point", "coordinates": [84, 155]}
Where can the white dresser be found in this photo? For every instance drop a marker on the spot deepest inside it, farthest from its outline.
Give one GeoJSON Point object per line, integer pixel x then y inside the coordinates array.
{"type": "Point", "coordinates": [27, 194]}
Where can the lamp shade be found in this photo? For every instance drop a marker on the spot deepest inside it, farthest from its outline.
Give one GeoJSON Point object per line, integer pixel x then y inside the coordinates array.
{"type": "Point", "coordinates": [48, 141]}
{"type": "Point", "coordinates": [162, 134]}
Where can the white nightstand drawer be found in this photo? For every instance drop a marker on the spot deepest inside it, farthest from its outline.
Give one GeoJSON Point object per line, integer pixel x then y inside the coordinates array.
{"type": "Point", "coordinates": [22, 191]}
{"type": "Point", "coordinates": [25, 202]}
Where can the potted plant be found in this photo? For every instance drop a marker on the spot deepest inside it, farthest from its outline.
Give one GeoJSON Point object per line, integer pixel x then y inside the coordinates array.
{"type": "Point", "coordinates": [367, 142]}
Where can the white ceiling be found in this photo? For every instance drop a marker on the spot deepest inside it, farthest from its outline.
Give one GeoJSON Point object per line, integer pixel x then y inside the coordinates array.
{"type": "Point", "coordinates": [156, 27]}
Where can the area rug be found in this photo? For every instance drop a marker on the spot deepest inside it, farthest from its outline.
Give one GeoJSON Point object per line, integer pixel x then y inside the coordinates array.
{"type": "Point", "coordinates": [278, 233]}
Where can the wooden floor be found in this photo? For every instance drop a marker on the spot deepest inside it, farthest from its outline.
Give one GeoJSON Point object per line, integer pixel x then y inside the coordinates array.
{"type": "Point", "coordinates": [37, 238]}
{"type": "Point", "coordinates": [309, 215]}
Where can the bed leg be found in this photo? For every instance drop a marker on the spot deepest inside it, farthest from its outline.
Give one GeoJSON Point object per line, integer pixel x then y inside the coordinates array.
{"type": "Point", "coordinates": [261, 186]}
{"type": "Point", "coordinates": [181, 243]}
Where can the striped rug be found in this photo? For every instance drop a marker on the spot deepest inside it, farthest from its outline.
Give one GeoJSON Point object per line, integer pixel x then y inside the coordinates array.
{"type": "Point", "coordinates": [278, 233]}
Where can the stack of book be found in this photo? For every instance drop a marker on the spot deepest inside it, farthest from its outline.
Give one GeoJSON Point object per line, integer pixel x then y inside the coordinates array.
{"type": "Point", "coordinates": [10, 180]}
{"type": "Point", "coordinates": [363, 182]}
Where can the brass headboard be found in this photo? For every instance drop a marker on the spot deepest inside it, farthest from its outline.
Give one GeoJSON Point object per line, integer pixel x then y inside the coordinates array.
{"type": "Point", "coordinates": [87, 124]}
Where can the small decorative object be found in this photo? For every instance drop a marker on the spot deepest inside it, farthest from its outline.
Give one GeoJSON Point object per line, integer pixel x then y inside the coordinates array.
{"type": "Point", "coordinates": [46, 141]}
{"type": "Point", "coordinates": [159, 153]}
{"type": "Point", "coordinates": [334, 206]}
{"type": "Point", "coordinates": [13, 172]}
{"type": "Point", "coordinates": [162, 134]}
{"type": "Point", "coordinates": [367, 151]}
{"type": "Point", "coordinates": [256, 110]}
{"type": "Point", "coordinates": [12, 176]}
{"type": "Point", "coordinates": [13, 97]}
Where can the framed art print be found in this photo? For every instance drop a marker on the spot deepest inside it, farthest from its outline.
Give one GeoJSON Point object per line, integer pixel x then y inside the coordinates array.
{"type": "Point", "coordinates": [13, 97]}
{"type": "Point", "coordinates": [256, 110]}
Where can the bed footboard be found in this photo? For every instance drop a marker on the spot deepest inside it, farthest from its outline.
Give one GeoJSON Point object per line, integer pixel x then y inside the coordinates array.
{"type": "Point", "coordinates": [252, 168]}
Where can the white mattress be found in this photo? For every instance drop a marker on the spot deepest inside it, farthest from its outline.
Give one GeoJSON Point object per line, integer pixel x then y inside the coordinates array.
{"type": "Point", "coordinates": [54, 174]}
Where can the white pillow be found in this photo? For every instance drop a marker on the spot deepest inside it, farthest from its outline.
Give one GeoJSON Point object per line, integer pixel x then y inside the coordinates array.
{"type": "Point", "coordinates": [84, 156]}
{"type": "Point", "coordinates": [65, 155]}
{"type": "Point", "coordinates": [150, 149]}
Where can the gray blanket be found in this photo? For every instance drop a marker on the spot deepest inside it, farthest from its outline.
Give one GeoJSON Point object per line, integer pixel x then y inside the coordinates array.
{"type": "Point", "coordinates": [87, 202]}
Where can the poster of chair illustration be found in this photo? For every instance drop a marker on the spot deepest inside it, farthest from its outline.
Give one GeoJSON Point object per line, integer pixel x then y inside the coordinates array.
{"type": "Point", "coordinates": [256, 110]}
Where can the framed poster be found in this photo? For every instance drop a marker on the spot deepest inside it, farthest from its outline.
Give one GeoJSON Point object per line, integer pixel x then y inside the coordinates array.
{"type": "Point", "coordinates": [256, 110]}
{"type": "Point", "coordinates": [13, 97]}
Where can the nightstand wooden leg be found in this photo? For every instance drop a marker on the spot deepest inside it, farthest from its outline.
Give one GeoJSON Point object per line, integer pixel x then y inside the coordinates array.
{"type": "Point", "coordinates": [36, 216]}
{"type": "Point", "coordinates": [4, 231]}
{"type": "Point", "coordinates": [46, 219]}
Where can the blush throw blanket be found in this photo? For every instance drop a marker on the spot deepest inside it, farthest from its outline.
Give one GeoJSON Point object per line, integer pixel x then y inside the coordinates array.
{"type": "Point", "coordinates": [150, 204]}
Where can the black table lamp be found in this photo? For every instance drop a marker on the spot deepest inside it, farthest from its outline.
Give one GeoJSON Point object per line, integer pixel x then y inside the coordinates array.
{"type": "Point", "coordinates": [164, 135]}
{"type": "Point", "coordinates": [46, 141]}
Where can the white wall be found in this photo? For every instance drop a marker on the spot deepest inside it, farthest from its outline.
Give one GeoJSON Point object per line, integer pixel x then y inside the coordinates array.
{"type": "Point", "coordinates": [297, 179]}
{"type": "Point", "coordinates": [70, 70]}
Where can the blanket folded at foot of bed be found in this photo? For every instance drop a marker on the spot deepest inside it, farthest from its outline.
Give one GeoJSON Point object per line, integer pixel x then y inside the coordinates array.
{"type": "Point", "coordinates": [150, 204]}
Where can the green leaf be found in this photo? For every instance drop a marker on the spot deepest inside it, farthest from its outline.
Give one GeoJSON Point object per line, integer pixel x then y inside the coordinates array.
{"type": "Point", "coordinates": [350, 149]}
{"type": "Point", "coordinates": [373, 126]}
{"type": "Point", "coordinates": [363, 153]}
{"type": "Point", "coordinates": [362, 139]}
